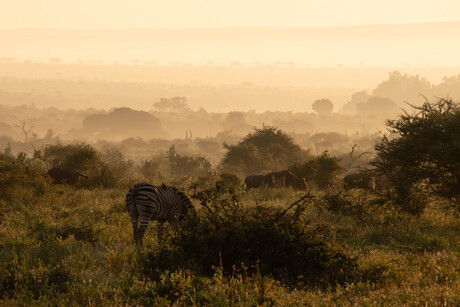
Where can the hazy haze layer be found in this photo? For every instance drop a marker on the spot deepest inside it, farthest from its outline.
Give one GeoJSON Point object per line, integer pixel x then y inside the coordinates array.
{"type": "Point", "coordinates": [429, 44]}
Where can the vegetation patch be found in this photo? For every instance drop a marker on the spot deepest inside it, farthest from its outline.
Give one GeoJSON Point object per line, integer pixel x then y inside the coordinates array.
{"type": "Point", "coordinates": [264, 239]}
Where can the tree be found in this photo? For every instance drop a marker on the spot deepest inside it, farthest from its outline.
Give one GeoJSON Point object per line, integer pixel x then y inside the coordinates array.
{"type": "Point", "coordinates": [425, 149]}
{"type": "Point", "coordinates": [265, 149]}
{"type": "Point", "coordinates": [323, 106]}
{"type": "Point", "coordinates": [236, 122]}
{"type": "Point", "coordinates": [401, 88]}
{"type": "Point", "coordinates": [124, 122]}
{"type": "Point", "coordinates": [173, 104]}
{"type": "Point", "coordinates": [22, 125]}
{"type": "Point", "coordinates": [377, 105]}
{"type": "Point", "coordinates": [356, 98]}
{"type": "Point", "coordinates": [186, 165]}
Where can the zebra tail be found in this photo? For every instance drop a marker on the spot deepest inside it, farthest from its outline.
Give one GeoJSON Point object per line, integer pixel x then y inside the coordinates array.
{"type": "Point", "coordinates": [131, 204]}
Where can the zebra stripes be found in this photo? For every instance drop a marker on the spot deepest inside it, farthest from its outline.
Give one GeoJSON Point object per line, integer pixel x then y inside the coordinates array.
{"type": "Point", "coordinates": [159, 203]}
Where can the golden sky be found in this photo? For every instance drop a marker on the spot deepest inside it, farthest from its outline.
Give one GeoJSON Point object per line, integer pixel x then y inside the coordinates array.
{"type": "Point", "coordinates": [119, 14]}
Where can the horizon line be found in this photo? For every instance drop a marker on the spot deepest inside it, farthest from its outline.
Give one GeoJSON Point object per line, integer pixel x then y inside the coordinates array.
{"type": "Point", "coordinates": [231, 27]}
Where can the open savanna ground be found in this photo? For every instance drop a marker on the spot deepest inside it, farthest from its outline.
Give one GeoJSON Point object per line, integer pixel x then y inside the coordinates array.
{"type": "Point", "coordinates": [69, 246]}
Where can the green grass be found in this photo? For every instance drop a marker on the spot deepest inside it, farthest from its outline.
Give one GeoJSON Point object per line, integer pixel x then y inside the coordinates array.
{"type": "Point", "coordinates": [74, 247]}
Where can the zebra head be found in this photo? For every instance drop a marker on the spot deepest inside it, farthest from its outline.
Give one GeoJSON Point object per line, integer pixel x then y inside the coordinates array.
{"type": "Point", "coordinates": [186, 204]}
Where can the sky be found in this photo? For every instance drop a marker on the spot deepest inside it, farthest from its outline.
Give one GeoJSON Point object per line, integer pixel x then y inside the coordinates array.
{"type": "Point", "coordinates": [184, 14]}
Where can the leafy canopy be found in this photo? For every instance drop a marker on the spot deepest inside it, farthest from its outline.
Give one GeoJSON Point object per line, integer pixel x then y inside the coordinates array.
{"type": "Point", "coordinates": [265, 149]}
{"type": "Point", "coordinates": [425, 149]}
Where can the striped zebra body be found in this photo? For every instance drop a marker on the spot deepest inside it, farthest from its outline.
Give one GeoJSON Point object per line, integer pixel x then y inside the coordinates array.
{"type": "Point", "coordinates": [160, 203]}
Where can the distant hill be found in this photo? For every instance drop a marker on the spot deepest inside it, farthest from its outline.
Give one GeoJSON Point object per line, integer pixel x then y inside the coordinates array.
{"type": "Point", "coordinates": [425, 44]}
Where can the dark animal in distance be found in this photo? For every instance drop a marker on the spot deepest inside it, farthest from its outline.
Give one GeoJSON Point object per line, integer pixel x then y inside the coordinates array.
{"type": "Point", "coordinates": [61, 176]}
{"type": "Point", "coordinates": [359, 181]}
{"type": "Point", "coordinates": [160, 203]}
{"type": "Point", "coordinates": [281, 178]}
{"type": "Point", "coordinates": [253, 181]}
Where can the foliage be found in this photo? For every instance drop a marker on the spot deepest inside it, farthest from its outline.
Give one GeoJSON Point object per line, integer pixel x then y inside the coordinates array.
{"type": "Point", "coordinates": [173, 104]}
{"type": "Point", "coordinates": [20, 176]}
{"type": "Point", "coordinates": [236, 122]}
{"type": "Point", "coordinates": [124, 122]}
{"type": "Point", "coordinates": [424, 151]}
{"type": "Point", "coordinates": [86, 160]}
{"type": "Point", "coordinates": [148, 168]}
{"type": "Point", "coordinates": [273, 241]}
{"type": "Point", "coordinates": [402, 87]}
{"type": "Point", "coordinates": [186, 165]}
{"type": "Point", "coordinates": [377, 105]}
{"type": "Point", "coordinates": [79, 157]}
{"type": "Point", "coordinates": [116, 162]}
{"type": "Point", "coordinates": [322, 170]}
{"type": "Point", "coordinates": [322, 106]}
{"type": "Point", "coordinates": [267, 148]}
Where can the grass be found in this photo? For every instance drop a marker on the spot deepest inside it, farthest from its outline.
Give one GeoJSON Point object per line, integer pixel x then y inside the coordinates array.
{"type": "Point", "coordinates": [74, 247]}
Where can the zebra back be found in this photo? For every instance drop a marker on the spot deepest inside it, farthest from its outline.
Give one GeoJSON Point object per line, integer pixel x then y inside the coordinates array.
{"type": "Point", "coordinates": [157, 202]}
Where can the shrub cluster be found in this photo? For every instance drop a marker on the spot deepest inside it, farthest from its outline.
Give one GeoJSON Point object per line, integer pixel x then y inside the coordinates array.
{"type": "Point", "coordinates": [103, 169]}
{"type": "Point", "coordinates": [20, 176]}
{"type": "Point", "coordinates": [187, 165]}
{"type": "Point", "coordinates": [321, 170]}
{"type": "Point", "coordinates": [267, 240]}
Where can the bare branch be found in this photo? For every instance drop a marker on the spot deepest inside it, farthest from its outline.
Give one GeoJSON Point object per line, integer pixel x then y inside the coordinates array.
{"type": "Point", "coordinates": [303, 198]}
{"type": "Point", "coordinates": [22, 125]}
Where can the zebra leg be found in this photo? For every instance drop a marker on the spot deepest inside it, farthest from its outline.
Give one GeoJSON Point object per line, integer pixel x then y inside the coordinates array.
{"type": "Point", "coordinates": [140, 234]}
{"type": "Point", "coordinates": [134, 219]}
{"type": "Point", "coordinates": [160, 233]}
{"type": "Point", "coordinates": [174, 224]}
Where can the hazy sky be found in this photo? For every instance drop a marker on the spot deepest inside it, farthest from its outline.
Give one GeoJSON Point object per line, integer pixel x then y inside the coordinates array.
{"type": "Point", "coordinates": [98, 14]}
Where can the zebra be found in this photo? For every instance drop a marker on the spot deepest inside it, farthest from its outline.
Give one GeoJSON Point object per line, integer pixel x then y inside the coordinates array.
{"type": "Point", "coordinates": [159, 203]}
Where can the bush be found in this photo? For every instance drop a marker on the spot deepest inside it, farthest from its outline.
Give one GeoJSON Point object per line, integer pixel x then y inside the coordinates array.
{"type": "Point", "coordinates": [79, 157]}
{"type": "Point", "coordinates": [267, 240]}
{"type": "Point", "coordinates": [20, 176]}
{"type": "Point", "coordinates": [84, 159]}
{"type": "Point", "coordinates": [186, 165]}
{"type": "Point", "coordinates": [322, 170]}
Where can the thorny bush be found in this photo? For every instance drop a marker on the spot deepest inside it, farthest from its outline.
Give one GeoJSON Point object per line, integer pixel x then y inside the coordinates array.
{"type": "Point", "coordinates": [226, 233]}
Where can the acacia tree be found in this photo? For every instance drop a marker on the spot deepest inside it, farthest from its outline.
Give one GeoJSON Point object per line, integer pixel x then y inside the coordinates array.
{"type": "Point", "coordinates": [425, 149]}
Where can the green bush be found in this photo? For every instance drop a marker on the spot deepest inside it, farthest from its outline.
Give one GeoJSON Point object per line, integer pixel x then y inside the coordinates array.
{"type": "Point", "coordinates": [423, 152]}
{"type": "Point", "coordinates": [20, 176]}
{"type": "Point", "coordinates": [79, 157]}
{"type": "Point", "coordinates": [186, 165]}
{"type": "Point", "coordinates": [321, 170]}
{"type": "Point", "coordinates": [227, 234]}
{"type": "Point", "coordinates": [103, 169]}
